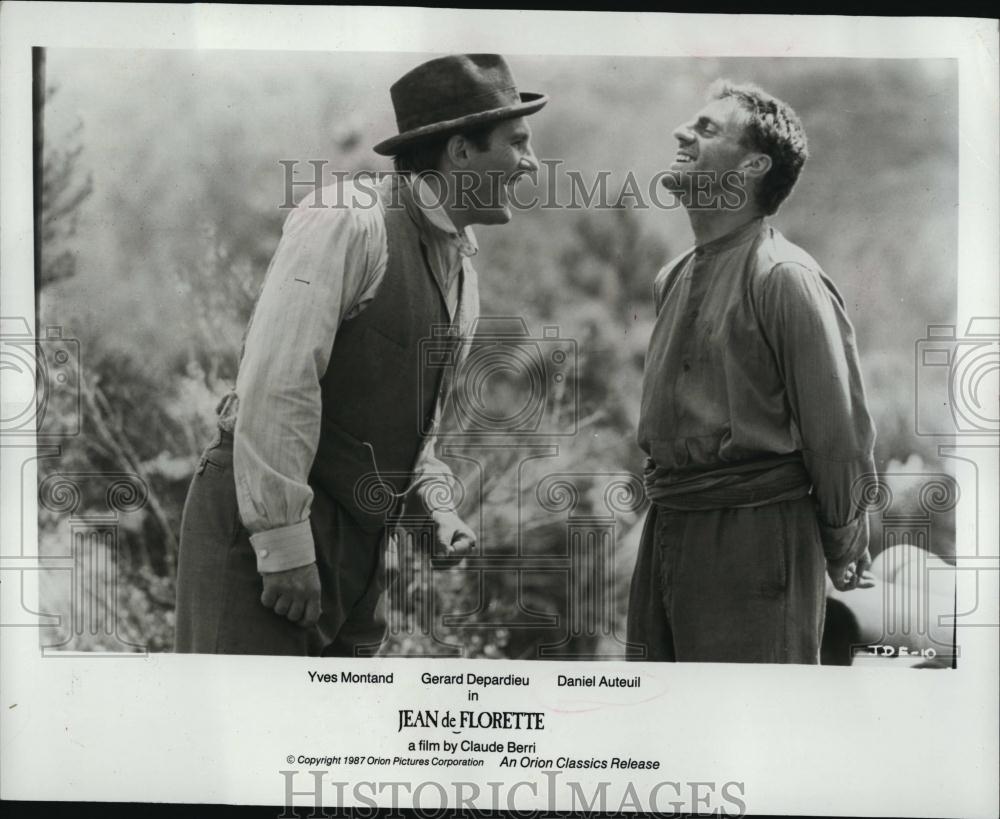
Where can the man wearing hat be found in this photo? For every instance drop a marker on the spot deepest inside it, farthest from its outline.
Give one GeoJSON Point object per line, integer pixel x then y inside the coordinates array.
{"type": "Point", "coordinates": [330, 427]}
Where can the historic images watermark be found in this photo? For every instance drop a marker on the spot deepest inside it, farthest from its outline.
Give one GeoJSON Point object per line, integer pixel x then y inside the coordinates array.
{"type": "Point", "coordinates": [509, 382]}
{"type": "Point", "coordinates": [37, 374]}
{"type": "Point", "coordinates": [562, 189]}
{"type": "Point", "coordinates": [910, 615]}
{"type": "Point", "coordinates": [44, 397]}
{"type": "Point", "coordinates": [588, 627]}
{"type": "Point", "coordinates": [516, 395]}
{"type": "Point", "coordinates": [568, 796]}
{"type": "Point", "coordinates": [958, 380]}
{"type": "Point", "coordinates": [957, 400]}
{"type": "Point", "coordinates": [515, 400]}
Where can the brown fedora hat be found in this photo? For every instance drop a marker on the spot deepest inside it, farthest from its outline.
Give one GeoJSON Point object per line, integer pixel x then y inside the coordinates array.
{"type": "Point", "coordinates": [455, 92]}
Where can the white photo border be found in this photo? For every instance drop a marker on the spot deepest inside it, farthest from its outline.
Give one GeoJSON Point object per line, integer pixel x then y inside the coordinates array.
{"type": "Point", "coordinates": [219, 729]}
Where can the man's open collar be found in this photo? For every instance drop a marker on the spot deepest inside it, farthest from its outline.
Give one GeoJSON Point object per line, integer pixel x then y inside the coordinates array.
{"type": "Point", "coordinates": [737, 236]}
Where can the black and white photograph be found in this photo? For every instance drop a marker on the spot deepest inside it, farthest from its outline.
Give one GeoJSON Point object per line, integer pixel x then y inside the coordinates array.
{"type": "Point", "coordinates": [662, 377]}
{"type": "Point", "coordinates": [631, 465]}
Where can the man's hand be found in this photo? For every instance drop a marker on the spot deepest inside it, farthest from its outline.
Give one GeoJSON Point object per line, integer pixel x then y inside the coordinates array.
{"type": "Point", "coordinates": [293, 594]}
{"type": "Point", "coordinates": [852, 574]}
{"type": "Point", "coordinates": [454, 540]}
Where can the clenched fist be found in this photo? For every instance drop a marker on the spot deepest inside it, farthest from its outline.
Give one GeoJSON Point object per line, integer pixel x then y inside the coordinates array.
{"type": "Point", "coordinates": [454, 540]}
{"type": "Point", "coordinates": [294, 594]}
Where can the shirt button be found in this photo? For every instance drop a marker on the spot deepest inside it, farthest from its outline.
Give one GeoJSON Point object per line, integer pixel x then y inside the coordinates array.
{"type": "Point", "coordinates": [687, 366]}
{"type": "Point", "coordinates": [264, 552]}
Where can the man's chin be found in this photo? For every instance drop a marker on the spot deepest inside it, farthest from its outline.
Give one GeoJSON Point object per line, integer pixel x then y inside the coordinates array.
{"type": "Point", "coordinates": [676, 180]}
{"type": "Point", "coordinates": [679, 185]}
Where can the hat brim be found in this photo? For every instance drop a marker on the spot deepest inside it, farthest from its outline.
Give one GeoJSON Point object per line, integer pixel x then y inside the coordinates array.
{"type": "Point", "coordinates": [530, 103]}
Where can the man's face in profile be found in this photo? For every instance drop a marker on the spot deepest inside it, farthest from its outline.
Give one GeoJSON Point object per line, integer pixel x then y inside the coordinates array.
{"type": "Point", "coordinates": [486, 194]}
{"type": "Point", "coordinates": [709, 146]}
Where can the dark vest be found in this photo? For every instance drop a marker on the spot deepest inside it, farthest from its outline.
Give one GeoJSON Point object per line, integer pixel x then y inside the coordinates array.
{"type": "Point", "coordinates": [381, 386]}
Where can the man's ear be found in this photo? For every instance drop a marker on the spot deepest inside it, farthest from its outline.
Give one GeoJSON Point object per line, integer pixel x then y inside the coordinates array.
{"type": "Point", "coordinates": [457, 150]}
{"type": "Point", "coordinates": [755, 164]}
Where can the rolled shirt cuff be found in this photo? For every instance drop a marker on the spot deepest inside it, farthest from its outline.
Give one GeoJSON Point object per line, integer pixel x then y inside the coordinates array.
{"type": "Point", "coordinates": [287, 547]}
{"type": "Point", "coordinates": [842, 544]}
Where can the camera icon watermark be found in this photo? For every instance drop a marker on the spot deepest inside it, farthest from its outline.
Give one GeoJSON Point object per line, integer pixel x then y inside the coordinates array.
{"type": "Point", "coordinates": [958, 379]}
{"type": "Point", "coordinates": [39, 381]}
{"type": "Point", "coordinates": [510, 382]}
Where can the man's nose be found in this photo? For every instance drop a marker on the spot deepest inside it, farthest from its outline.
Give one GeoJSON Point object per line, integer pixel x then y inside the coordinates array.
{"type": "Point", "coordinates": [683, 132]}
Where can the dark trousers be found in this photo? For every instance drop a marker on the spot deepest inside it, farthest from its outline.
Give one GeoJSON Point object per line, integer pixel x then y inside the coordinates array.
{"type": "Point", "coordinates": [730, 585]}
{"type": "Point", "coordinates": [218, 586]}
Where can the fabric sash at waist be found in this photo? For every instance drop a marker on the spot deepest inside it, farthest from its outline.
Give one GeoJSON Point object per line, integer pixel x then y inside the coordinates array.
{"type": "Point", "coordinates": [751, 483]}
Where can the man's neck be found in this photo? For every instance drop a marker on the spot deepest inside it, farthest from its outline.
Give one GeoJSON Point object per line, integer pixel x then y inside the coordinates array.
{"type": "Point", "coordinates": [709, 225]}
{"type": "Point", "coordinates": [457, 215]}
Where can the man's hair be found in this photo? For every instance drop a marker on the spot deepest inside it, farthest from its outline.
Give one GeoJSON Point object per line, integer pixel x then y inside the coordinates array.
{"type": "Point", "coordinates": [773, 128]}
{"type": "Point", "coordinates": [426, 154]}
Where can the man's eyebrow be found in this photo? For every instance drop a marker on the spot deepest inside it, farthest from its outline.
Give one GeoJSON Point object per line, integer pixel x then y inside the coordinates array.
{"type": "Point", "coordinates": [704, 121]}
{"type": "Point", "coordinates": [520, 133]}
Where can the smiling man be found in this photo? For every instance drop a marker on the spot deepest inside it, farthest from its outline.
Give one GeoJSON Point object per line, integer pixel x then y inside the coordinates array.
{"type": "Point", "coordinates": [753, 413]}
{"type": "Point", "coordinates": [283, 535]}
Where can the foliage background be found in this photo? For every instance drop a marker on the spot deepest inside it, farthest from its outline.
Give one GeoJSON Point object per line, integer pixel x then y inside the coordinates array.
{"type": "Point", "coordinates": [162, 195]}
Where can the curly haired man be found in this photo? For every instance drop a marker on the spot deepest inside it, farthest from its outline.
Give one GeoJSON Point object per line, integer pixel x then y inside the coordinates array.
{"type": "Point", "coordinates": [753, 412]}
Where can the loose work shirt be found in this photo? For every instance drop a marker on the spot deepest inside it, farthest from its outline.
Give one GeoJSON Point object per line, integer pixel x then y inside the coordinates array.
{"type": "Point", "coordinates": [752, 356]}
{"type": "Point", "coordinates": [328, 266]}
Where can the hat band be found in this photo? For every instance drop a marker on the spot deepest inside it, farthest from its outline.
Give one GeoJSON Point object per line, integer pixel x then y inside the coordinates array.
{"type": "Point", "coordinates": [468, 106]}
